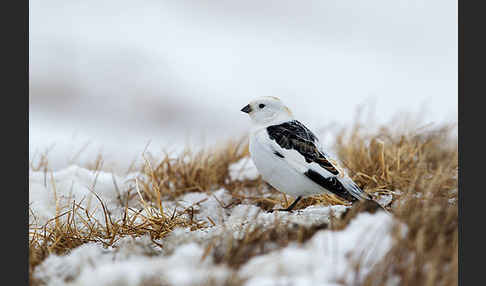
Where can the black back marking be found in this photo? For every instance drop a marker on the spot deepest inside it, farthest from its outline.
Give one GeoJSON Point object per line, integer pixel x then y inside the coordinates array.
{"type": "Point", "coordinates": [294, 135]}
{"type": "Point", "coordinates": [331, 184]}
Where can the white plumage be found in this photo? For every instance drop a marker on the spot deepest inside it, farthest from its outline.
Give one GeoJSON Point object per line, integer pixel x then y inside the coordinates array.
{"type": "Point", "coordinates": [284, 174]}
{"type": "Point", "coordinates": [289, 156]}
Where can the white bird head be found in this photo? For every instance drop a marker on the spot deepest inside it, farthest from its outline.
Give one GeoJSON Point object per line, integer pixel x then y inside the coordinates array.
{"type": "Point", "coordinates": [267, 110]}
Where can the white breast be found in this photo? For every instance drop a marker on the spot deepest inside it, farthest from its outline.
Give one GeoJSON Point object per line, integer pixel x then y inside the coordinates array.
{"type": "Point", "coordinates": [276, 171]}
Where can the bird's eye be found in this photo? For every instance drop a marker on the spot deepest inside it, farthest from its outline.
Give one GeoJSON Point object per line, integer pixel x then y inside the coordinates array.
{"type": "Point", "coordinates": [261, 105]}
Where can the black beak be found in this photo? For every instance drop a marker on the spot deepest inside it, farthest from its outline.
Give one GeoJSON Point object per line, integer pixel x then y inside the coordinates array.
{"type": "Point", "coordinates": [246, 109]}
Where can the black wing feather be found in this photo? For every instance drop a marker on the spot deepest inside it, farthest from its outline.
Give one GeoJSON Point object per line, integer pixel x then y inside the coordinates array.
{"type": "Point", "coordinates": [331, 184]}
{"type": "Point", "coordinates": [294, 135]}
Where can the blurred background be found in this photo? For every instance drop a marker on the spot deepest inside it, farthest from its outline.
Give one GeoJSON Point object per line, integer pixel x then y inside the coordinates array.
{"type": "Point", "coordinates": [112, 76]}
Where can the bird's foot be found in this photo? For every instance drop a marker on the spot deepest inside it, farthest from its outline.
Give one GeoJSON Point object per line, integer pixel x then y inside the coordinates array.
{"type": "Point", "coordinates": [290, 208]}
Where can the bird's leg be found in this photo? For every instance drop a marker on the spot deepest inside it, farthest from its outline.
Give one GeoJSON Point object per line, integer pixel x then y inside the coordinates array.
{"type": "Point", "coordinates": [289, 208]}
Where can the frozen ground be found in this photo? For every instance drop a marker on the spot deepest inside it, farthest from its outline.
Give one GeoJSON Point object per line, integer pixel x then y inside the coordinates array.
{"type": "Point", "coordinates": [328, 258]}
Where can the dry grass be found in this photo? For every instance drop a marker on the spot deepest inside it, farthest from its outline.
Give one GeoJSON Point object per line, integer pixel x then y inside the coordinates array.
{"type": "Point", "coordinates": [423, 165]}
{"type": "Point", "coordinates": [202, 171]}
{"type": "Point", "coordinates": [76, 226]}
{"type": "Point", "coordinates": [428, 254]}
{"type": "Point", "coordinates": [420, 164]}
{"type": "Point", "coordinates": [412, 162]}
{"type": "Point", "coordinates": [60, 237]}
{"type": "Point", "coordinates": [257, 241]}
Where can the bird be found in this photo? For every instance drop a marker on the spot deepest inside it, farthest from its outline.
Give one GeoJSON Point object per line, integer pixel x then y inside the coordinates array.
{"type": "Point", "coordinates": [290, 157]}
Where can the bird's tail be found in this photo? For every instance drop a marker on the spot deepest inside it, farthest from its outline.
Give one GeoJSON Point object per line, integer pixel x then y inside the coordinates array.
{"type": "Point", "coordinates": [359, 194]}
{"type": "Point", "coordinates": [353, 189]}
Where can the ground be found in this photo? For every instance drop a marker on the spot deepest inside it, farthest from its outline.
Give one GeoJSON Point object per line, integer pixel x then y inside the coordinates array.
{"type": "Point", "coordinates": [201, 218]}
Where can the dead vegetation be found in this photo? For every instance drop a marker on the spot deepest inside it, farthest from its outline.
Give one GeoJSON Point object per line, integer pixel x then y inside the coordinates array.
{"type": "Point", "coordinates": [418, 161]}
{"type": "Point", "coordinates": [418, 168]}
{"type": "Point", "coordinates": [258, 241]}
{"type": "Point", "coordinates": [76, 226]}
{"type": "Point", "coordinates": [200, 171]}
{"type": "Point", "coordinates": [423, 165]}
{"type": "Point", "coordinates": [428, 254]}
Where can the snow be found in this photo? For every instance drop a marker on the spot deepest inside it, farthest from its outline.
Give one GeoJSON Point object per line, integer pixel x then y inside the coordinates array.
{"type": "Point", "coordinates": [325, 259]}
{"type": "Point", "coordinates": [52, 193]}
{"type": "Point", "coordinates": [243, 169]}
{"type": "Point", "coordinates": [90, 264]}
{"type": "Point", "coordinates": [328, 257]}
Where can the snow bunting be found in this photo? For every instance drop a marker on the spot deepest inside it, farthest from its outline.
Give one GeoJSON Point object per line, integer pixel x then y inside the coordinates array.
{"type": "Point", "coordinates": [290, 158]}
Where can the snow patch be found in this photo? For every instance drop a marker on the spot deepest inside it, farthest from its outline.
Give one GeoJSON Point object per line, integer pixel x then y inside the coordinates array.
{"type": "Point", "coordinates": [243, 169]}
{"type": "Point", "coordinates": [51, 190]}
{"type": "Point", "coordinates": [329, 257]}
{"type": "Point", "coordinates": [90, 264]}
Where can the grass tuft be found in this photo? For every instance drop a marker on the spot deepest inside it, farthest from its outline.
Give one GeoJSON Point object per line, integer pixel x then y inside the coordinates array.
{"type": "Point", "coordinates": [201, 171]}
{"type": "Point", "coordinates": [420, 169]}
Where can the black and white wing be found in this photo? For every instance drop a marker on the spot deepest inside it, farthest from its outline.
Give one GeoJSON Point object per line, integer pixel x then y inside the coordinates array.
{"type": "Point", "coordinates": [301, 149]}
